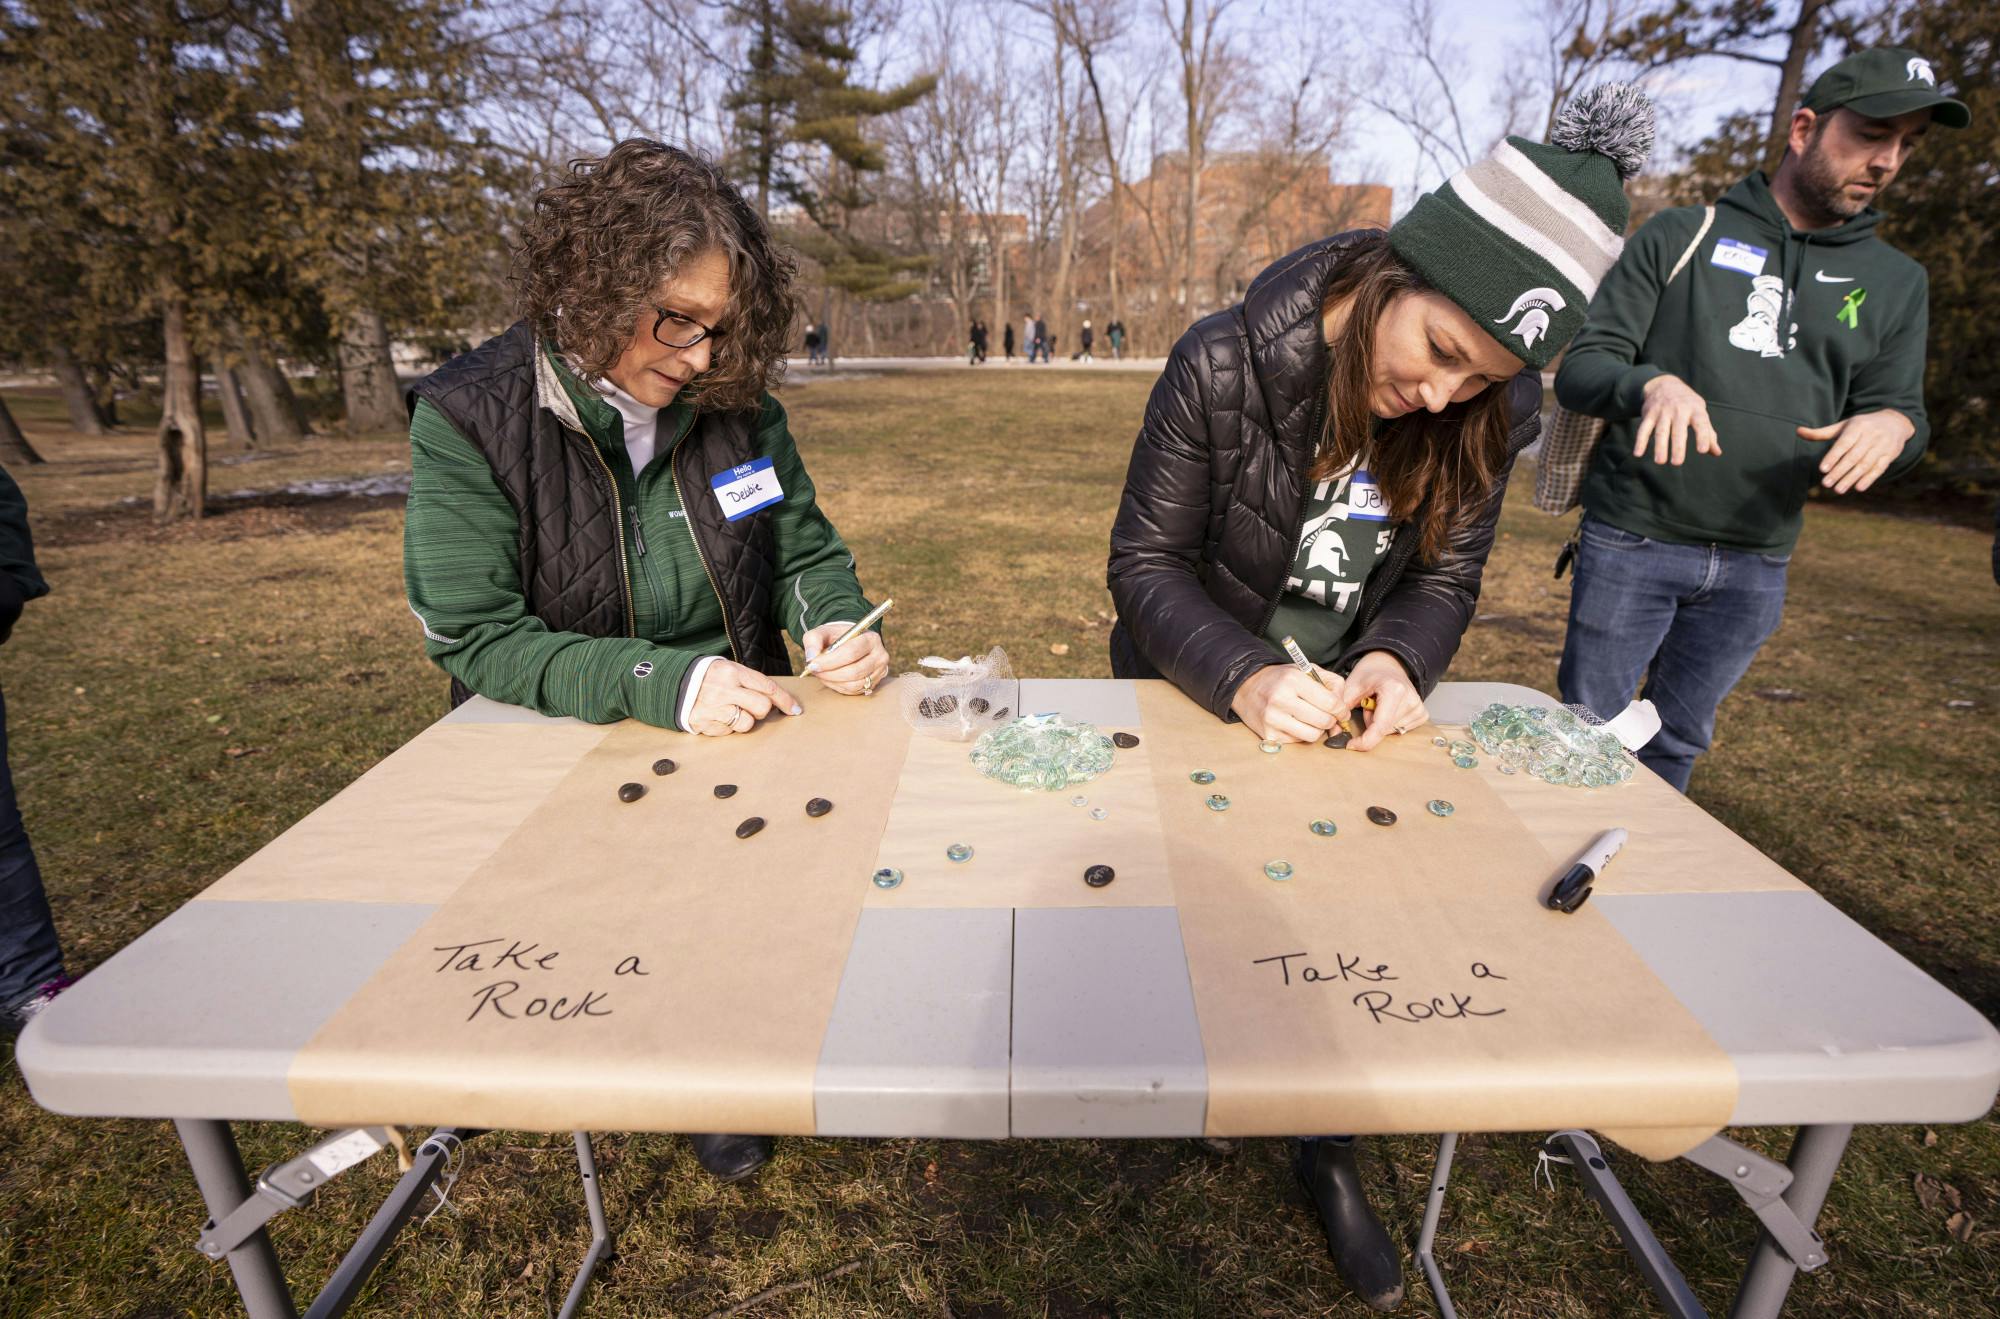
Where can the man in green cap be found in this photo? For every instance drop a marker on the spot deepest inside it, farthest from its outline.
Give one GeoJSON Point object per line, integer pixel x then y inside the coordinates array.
{"type": "Point", "coordinates": [1740, 353]}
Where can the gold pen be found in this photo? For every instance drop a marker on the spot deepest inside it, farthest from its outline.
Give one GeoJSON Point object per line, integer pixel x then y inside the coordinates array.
{"type": "Point", "coordinates": [867, 621]}
{"type": "Point", "coordinates": [1349, 725]}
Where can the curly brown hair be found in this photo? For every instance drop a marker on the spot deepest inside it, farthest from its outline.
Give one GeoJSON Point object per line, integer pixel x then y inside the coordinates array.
{"type": "Point", "coordinates": [610, 228]}
{"type": "Point", "coordinates": [1438, 469]}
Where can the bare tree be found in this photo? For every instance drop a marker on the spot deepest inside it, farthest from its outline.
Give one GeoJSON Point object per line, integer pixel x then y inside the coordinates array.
{"type": "Point", "coordinates": [1204, 53]}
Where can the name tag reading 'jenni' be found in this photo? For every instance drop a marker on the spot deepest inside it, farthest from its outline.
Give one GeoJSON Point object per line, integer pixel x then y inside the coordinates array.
{"type": "Point", "coordinates": [745, 489]}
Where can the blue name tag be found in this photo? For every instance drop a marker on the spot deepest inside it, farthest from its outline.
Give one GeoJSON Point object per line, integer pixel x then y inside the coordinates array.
{"type": "Point", "coordinates": [1364, 499]}
{"type": "Point", "coordinates": [1739, 257]}
{"type": "Point", "coordinates": [741, 491]}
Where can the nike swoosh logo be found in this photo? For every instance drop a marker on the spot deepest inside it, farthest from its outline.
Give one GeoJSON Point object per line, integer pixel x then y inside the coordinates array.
{"type": "Point", "coordinates": [1825, 278]}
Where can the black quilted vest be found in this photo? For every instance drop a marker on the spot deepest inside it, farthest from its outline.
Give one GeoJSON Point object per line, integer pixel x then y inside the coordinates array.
{"type": "Point", "coordinates": [572, 543]}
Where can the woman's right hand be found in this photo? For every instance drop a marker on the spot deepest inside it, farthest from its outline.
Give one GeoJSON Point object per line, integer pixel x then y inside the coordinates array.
{"type": "Point", "coordinates": [732, 698]}
{"type": "Point", "coordinates": [1280, 704]}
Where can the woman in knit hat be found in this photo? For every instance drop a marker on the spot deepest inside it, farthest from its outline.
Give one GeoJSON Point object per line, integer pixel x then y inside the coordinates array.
{"type": "Point", "coordinates": [1325, 461]}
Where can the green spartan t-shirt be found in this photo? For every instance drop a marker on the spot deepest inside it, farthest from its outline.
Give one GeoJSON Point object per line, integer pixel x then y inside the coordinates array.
{"type": "Point", "coordinates": [1347, 531]}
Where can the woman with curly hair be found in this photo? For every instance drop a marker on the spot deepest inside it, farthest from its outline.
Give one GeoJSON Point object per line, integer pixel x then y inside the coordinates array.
{"type": "Point", "coordinates": [1324, 462]}
{"type": "Point", "coordinates": [608, 517]}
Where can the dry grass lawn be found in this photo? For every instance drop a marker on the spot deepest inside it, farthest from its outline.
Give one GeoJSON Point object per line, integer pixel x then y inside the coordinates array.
{"type": "Point", "coordinates": [188, 692]}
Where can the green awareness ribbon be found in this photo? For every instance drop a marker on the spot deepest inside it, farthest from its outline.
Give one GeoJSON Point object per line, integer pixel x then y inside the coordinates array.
{"type": "Point", "coordinates": [1850, 309]}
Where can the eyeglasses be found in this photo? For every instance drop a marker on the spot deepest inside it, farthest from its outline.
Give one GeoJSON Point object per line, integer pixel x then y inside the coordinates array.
{"type": "Point", "coordinates": [674, 330]}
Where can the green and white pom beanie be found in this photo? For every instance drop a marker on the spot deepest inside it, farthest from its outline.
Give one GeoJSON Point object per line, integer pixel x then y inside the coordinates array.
{"type": "Point", "coordinates": [1521, 239]}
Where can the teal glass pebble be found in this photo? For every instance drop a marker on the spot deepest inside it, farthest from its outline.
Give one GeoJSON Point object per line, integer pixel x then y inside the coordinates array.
{"type": "Point", "coordinates": [958, 852]}
{"type": "Point", "coordinates": [1098, 812]}
{"type": "Point", "coordinates": [1078, 800]}
{"type": "Point", "coordinates": [1439, 806]}
{"type": "Point", "coordinates": [1465, 762]}
{"type": "Point", "coordinates": [1278, 870]}
{"type": "Point", "coordinates": [1325, 828]}
{"type": "Point", "coordinates": [1217, 802]}
{"type": "Point", "coordinates": [888, 877]}
{"type": "Point", "coordinates": [1505, 768]}
{"type": "Point", "coordinates": [1440, 742]}
{"type": "Point", "coordinates": [1461, 747]}
{"type": "Point", "coordinates": [1202, 776]}
{"type": "Point", "coordinates": [1269, 748]}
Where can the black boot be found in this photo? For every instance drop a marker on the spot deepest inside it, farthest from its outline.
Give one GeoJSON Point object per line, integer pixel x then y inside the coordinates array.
{"type": "Point", "coordinates": [731, 1158]}
{"type": "Point", "coordinates": [1367, 1260]}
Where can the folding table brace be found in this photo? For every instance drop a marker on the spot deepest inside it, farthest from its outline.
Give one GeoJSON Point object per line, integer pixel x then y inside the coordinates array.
{"type": "Point", "coordinates": [1786, 1200]}
{"type": "Point", "coordinates": [235, 1230]}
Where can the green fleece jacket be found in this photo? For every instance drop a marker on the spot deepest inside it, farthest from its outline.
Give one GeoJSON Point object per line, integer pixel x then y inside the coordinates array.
{"type": "Point", "coordinates": [460, 565]}
{"type": "Point", "coordinates": [1776, 329]}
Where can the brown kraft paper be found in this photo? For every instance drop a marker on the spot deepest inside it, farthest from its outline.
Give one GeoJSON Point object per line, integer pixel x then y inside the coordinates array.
{"type": "Point", "coordinates": [634, 966]}
{"type": "Point", "coordinates": [414, 827]}
{"type": "Point", "coordinates": [1029, 849]}
{"type": "Point", "coordinates": [1673, 845]}
{"type": "Point", "coordinates": [1406, 978]}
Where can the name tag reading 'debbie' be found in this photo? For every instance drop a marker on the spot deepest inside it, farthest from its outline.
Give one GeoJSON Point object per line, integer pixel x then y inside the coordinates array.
{"type": "Point", "coordinates": [745, 489]}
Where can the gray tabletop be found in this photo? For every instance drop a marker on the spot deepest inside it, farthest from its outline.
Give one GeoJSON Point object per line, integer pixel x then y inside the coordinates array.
{"type": "Point", "coordinates": [1032, 1022]}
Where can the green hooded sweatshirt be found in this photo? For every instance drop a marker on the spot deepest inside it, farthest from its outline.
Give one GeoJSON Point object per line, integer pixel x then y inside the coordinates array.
{"type": "Point", "coordinates": [1775, 328]}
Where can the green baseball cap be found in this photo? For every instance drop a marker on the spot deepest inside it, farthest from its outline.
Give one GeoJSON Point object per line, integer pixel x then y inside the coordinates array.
{"type": "Point", "coordinates": [1884, 82]}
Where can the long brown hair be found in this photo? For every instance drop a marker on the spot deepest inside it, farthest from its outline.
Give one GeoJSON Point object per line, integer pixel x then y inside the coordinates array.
{"type": "Point", "coordinates": [1436, 469]}
{"type": "Point", "coordinates": [609, 229]}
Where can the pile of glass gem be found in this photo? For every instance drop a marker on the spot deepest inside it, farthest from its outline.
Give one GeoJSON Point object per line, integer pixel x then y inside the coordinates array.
{"type": "Point", "coordinates": [1556, 746]}
{"type": "Point", "coordinates": [1044, 753]}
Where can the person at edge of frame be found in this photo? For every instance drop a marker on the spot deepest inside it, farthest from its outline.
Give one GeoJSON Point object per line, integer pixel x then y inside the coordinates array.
{"type": "Point", "coordinates": [549, 557]}
{"type": "Point", "coordinates": [1007, 339]}
{"type": "Point", "coordinates": [1326, 460]}
{"type": "Point", "coordinates": [31, 961]}
{"type": "Point", "coordinates": [1790, 351]}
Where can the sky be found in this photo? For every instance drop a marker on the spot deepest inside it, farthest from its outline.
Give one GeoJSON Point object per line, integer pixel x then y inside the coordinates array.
{"type": "Point", "coordinates": [1694, 96]}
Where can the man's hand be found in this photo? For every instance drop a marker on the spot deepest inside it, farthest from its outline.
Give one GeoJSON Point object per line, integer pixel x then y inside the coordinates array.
{"type": "Point", "coordinates": [1398, 707]}
{"type": "Point", "coordinates": [1671, 410]}
{"type": "Point", "coordinates": [856, 667]}
{"type": "Point", "coordinates": [733, 697]}
{"type": "Point", "coordinates": [1863, 448]}
{"type": "Point", "coordinates": [1280, 704]}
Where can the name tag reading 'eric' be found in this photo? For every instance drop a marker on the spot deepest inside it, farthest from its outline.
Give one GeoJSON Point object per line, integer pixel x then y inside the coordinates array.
{"type": "Point", "coordinates": [743, 490]}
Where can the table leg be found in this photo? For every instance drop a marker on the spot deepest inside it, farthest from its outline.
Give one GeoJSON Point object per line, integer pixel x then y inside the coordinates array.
{"type": "Point", "coordinates": [1815, 1156]}
{"type": "Point", "coordinates": [600, 1232]}
{"type": "Point", "coordinates": [1427, 1237]}
{"type": "Point", "coordinates": [218, 1171]}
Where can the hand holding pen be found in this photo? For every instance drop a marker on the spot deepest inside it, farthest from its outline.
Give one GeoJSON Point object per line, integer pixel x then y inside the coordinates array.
{"type": "Point", "coordinates": [848, 658]}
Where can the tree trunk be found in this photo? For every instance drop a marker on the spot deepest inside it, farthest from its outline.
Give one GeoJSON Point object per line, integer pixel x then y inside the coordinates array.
{"type": "Point", "coordinates": [1066, 200]}
{"type": "Point", "coordinates": [1805, 35]}
{"type": "Point", "coordinates": [180, 485]}
{"type": "Point", "coordinates": [78, 399]}
{"type": "Point", "coordinates": [274, 410]}
{"type": "Point", "coordinates": [234, 416]}
{"type": "Point", "coordinates": [14, 446]}
{"type": "Point", "coordinates": [368, 376]}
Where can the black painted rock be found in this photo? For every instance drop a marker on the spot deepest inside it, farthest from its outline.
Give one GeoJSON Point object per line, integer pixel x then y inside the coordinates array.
{"type": "Point", "coordinates": [1381, 815]}
{"type": "Point", "coordinates": [664, 766]}
{"type": "Point", "coordinates": [631, 791]}
{"type": "Point", "coordinates": [1337, 739]}
{"type": "Point", "coordinates": [750, 826]}
{"type": "Point", "coordinates": [1099, 876]}
{"type": "Point", "coordinates": [937, 707]}
{"type": "Point", "coordinates": [1125, 740]}
{"type": "Point", "coordinates": [725, 789]}
{"type": "Point", "coordinates": [979, 705]}
{"type": "Point", "coordinates": [818, 806]}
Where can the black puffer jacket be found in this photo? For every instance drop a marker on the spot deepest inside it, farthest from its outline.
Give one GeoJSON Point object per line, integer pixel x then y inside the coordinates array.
{"type": "Point", "coordinates": [1215, 498]}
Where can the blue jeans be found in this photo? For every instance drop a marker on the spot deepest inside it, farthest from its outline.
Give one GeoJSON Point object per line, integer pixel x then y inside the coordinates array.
{"type": "Point", "coordinates": [29, 954]}
{"type": "Point", "coordinates": [1686, 618]}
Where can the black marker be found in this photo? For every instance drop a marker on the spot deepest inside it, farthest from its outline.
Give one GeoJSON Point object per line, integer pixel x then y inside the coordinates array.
{"type": "Point", "coordinates": [1574, 886]}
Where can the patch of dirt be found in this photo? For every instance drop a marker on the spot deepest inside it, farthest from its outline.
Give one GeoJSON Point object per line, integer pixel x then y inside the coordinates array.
{"type": "Point", "coordinates": [230, 518]}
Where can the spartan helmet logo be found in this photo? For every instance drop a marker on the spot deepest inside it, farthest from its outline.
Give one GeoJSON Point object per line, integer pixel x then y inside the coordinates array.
{"type": "Point", "coordinates": [1919, 70]}
{"type": "Point", "coordinates": [1537, 303]}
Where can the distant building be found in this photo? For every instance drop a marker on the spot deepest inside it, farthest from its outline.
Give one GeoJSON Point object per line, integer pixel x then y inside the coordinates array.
{"type": "Point", "coordinates": [1252, 208]}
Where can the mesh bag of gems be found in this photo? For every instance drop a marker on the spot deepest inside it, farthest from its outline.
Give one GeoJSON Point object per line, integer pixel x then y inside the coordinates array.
{"type": "Point", "coordinates": [1043, 753]}
{"type": "Point", "coordinates": [1566, 745]}
{"type": "Point", "coordinates": [961, 698]}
